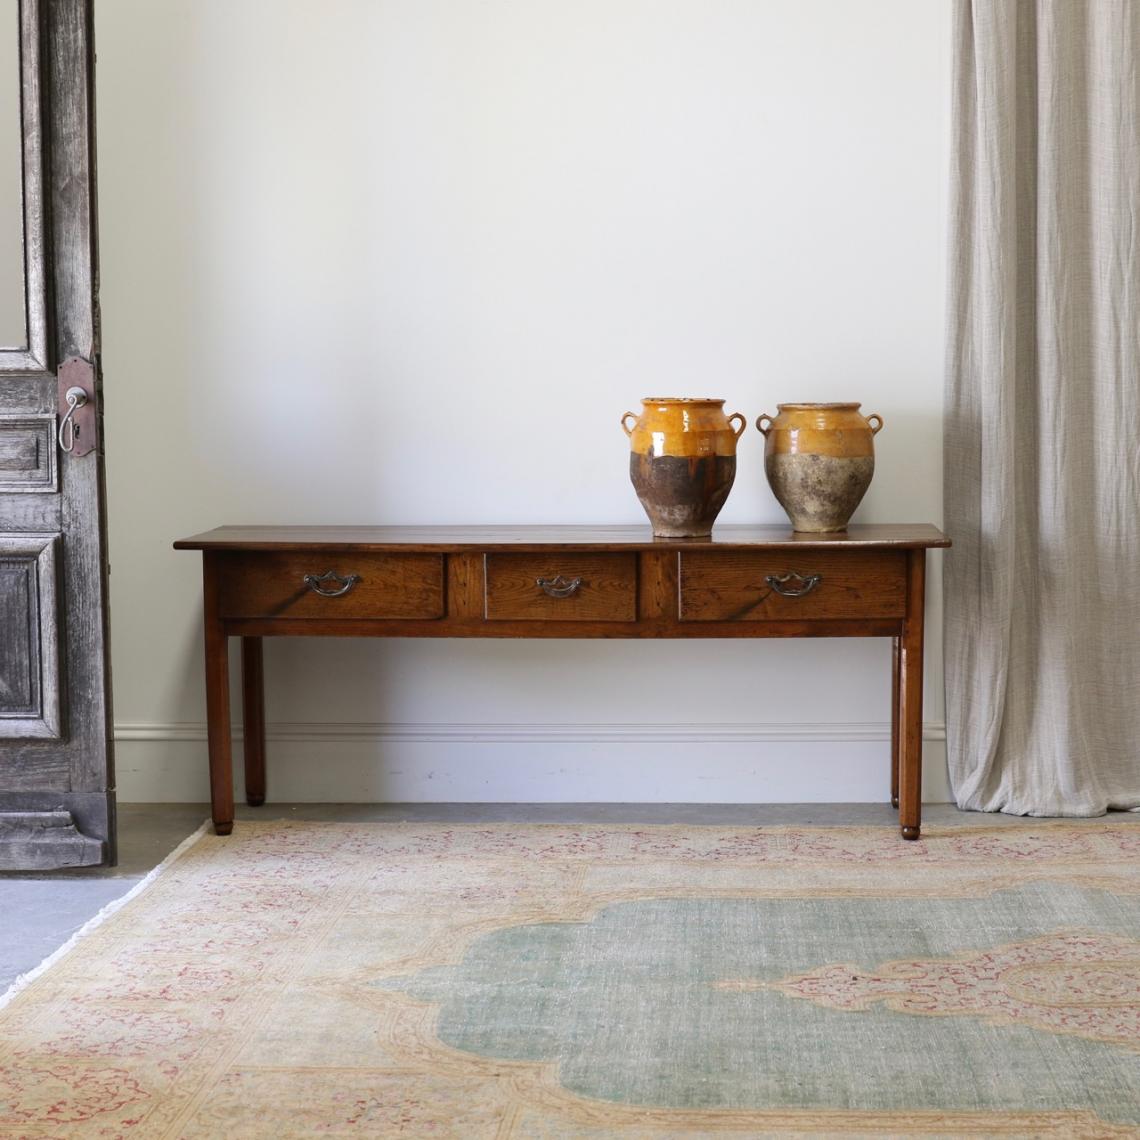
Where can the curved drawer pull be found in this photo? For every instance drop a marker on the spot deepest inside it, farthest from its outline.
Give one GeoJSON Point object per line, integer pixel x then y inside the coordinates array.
{"type": "Point", "coordinates": [805, 584]}
{"type": "Point", "coordinates": [315, 583]}
{"type": "Point", "coordinates": [559, 587]}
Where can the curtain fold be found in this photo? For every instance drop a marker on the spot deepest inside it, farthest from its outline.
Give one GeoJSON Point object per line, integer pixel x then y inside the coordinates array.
{"type": "Point", "coordinates": [1042, 451]}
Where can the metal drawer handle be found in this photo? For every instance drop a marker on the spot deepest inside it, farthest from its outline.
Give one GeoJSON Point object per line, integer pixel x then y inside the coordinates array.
{"type": "Point", "coordinates": [559, 587]}
{"type": "Point", "coordinates": [314, 582]}
{"type": "Point", "coordinates": [805, 584]}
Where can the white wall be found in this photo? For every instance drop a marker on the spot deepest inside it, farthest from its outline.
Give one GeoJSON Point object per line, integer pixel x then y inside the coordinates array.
{"type": "Point", "coordinates": [368, 261]}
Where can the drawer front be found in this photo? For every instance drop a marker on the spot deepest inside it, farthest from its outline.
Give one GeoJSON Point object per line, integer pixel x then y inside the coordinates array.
{"type": "Point", "coordinates": [561, 587]}
{"type": "Point", "coordinates": [263, 585]}
{"type": "Point", "coordinates": [746, 586]}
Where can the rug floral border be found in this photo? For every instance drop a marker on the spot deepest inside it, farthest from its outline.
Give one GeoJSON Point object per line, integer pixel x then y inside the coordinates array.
{"type": "Point", "coordinates": [567, 874]}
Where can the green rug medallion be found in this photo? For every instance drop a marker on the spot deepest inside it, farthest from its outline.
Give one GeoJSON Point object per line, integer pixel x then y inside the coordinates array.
{"type": "Point", "coordinates": [1027, 996]}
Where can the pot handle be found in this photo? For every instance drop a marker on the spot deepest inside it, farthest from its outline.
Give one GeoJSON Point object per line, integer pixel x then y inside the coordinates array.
{"type": "Point", "coordinates": [875, 416]}
{"type": "Point", "coordinates": [743, 424]}
{"type": "Point", "coordinates": [624, 426]}
{"type": "Point", "coordinates": [760, 424]}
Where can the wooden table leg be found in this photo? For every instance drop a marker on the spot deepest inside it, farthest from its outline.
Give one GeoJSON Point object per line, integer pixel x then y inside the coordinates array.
{"type": "Point", "coordinates": [218, 704]}
{"type": "Point", "coordinates": [253, 719]}
{"type": "Point", "coordinates": [896, 664]}
{"type": "Point", "coordinates": [910, 698]}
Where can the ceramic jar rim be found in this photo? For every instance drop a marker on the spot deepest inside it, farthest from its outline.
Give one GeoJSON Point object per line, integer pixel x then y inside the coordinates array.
{"type": "Point", "coordinates": [845, 406]}
{"type": "Point", "coordinates": [680, 400]}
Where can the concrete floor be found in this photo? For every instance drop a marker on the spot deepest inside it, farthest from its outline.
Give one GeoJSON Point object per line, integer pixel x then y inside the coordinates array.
{"type": "Point", "coordinates": [41, 912]}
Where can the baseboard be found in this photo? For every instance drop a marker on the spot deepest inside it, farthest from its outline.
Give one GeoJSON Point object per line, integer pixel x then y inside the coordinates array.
{"type": "Point", "coordinates": [431, 733]}
{"type": "Point", "coordinates": [537, 763]}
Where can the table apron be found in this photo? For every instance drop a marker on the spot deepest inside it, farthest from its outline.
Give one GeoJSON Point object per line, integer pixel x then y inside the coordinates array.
{"type": "Point", "coordinates": [676, 631]}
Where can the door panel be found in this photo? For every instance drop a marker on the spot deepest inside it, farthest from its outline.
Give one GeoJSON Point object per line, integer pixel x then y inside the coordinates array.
{"type": "Point", "coordinates": [28, 454]}
{"type": "Point", "coordinates": [22, 190]}
{"type": "Point", "coordinates": [57, 805]}
{"type": "Point", "coordinates": [29, 656]}
{"type": "Point", "coordinates": [13, 318]}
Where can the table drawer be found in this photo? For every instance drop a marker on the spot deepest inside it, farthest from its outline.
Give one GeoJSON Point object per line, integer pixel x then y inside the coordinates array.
{"type": "Point", "coordinates": [745, 586]}
{"type": "Point", "coordinates": [561, 586]}
{"type": "Point", "coordinates": [273, 584]}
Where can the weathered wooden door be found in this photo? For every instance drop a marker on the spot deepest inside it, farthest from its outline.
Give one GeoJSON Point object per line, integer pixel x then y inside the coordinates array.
{"type": "Point", "coordinates": [57, 805]}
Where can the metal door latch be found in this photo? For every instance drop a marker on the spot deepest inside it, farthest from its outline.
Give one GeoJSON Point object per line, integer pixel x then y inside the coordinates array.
{"type": "Point", "coordinates": [79, 423]}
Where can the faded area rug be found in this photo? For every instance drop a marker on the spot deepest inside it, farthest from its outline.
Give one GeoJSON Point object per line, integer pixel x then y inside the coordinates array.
{"type": "Point", "coordinates": [550, 982]}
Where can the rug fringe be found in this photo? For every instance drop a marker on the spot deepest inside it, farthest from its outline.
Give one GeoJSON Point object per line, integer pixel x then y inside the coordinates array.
{"type": "Point", "coordinates": [92, 924]}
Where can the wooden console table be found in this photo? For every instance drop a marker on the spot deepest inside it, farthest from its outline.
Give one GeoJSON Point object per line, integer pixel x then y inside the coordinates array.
{"type": "Point", "coordinates": [746, 581]}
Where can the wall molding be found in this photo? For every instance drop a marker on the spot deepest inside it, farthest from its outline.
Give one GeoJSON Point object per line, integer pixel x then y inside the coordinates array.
{"type": "Point", "coordinates": [520, 733]}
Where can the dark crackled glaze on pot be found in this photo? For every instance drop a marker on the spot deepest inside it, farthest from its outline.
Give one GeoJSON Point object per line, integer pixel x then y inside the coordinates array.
{"type": "Point", "coordinates": [682, 462]}
{"type": "Point", "coordinates": [682, 495]}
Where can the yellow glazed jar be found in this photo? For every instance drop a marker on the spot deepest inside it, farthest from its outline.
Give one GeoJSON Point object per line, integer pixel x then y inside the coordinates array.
{"type": "Point", "coordinates": [819, 459]}
{"type": "Point", "coordinates": [682, 462]}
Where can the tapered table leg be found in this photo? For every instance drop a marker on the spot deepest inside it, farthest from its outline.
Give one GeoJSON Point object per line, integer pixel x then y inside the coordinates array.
{"type": "Point", "coordinates": [217, 704]}
{"type": "Point", "coordinates": [253, 717]}
{"type": "Point", "coordinates": [910, 698]}
{"type": "Point", "coordinates": [896, 664]}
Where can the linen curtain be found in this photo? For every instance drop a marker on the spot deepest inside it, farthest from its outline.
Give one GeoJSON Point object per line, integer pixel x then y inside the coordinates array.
{"type": "Point", "coordinates": [1042, 452]}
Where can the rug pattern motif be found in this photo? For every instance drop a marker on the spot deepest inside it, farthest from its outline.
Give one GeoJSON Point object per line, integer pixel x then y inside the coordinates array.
{"type": "Point", "coordinates": [311, 979]}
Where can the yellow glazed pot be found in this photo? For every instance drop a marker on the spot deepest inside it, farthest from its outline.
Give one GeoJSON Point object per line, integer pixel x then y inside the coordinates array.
{"type": "Point", "coordinates": [682, 462]}
{"type": "Point", "coordinates": [819, 459]}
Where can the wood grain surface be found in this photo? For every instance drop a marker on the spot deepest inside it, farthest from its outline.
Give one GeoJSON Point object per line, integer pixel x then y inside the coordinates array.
{"type": "Point", "coordinates": [607, 590]}
{"type": "Point", "coordinates": [487, 538]}
{"type": "Point", "coordinates": [558, 582]}
{"type": "Point", "coordinates": [272, 584]}
{"type": "Point", "coordinates": [731, 585]}
{"type": "Point", "coordinates": [72, 769]}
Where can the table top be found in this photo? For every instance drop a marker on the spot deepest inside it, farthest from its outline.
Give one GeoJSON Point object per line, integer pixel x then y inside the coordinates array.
{"type": "Point", "coordinates": [444, 539]}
